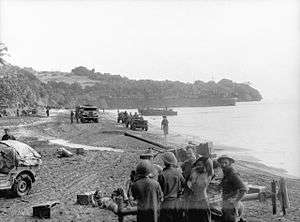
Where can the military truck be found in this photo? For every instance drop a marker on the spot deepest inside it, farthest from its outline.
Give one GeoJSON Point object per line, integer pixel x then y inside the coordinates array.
{"type": "Point", "coordinates": [138, 122]}
{"type": "Point", "coordinates": [18, 166]}
{"type": "Point", "coordinates": [88, 113]}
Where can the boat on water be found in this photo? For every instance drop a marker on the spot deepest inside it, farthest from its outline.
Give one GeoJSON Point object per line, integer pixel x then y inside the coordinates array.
{"type": "Point", "coordinates": [157, 112]}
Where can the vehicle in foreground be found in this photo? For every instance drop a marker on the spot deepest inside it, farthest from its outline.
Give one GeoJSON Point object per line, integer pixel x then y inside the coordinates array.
{"type": "Point", "coordinates": [88, 113]}
{"type": "Point", "coordinates": [157, 112]}
{"type": "Point", "coordinates": [18, 166]}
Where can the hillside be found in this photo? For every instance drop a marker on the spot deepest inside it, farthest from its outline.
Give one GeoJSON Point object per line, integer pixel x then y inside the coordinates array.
{"type": "Point", "coordinates": [25, 86]}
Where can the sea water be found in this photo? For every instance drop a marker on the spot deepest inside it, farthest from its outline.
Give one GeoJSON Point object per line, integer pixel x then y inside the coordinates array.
{"type": "Point", "coordinates": [268, 132]}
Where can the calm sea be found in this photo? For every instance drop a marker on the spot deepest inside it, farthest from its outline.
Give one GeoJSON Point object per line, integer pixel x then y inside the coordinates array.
{"type": "Point", "coordinates": [268, 132]}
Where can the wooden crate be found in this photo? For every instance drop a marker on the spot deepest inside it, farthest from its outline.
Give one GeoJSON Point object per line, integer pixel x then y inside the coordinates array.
{"type": "Point", "coordinates": [85, 199]}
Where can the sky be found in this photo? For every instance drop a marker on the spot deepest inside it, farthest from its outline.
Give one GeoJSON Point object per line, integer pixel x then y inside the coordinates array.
{"type": "Point", "coordinates": [243, 40]}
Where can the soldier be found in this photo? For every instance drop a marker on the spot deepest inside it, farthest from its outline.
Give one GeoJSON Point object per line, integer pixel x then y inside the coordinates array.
{"type": "Point", "coordinates": [47, 111]}
{"type": "Point", "coordinates": [197, 200]}
{"type": "Point", "coordinates": [156, 168]}
{"type": "Point", "coordinates": [171, 182]}
{"type": "Point", "coordinates": [165, 126]}
{"type": "Point", "coordinates": [72, 115]}
{"type": "Point", "coordinates": [76, 116]}
{"type": "Point", "coordinates": [125, 118]}
{"type": "Point", "coordinates": [147, 192]}
{"type": "Point", "coordinates": [233, 190]}
{"type": "Point", "coordinates": [206, 161]}
{"type": "Point", "coordinates": [135, 115]}
{"type": "Point", "coordinates": [7, 135]}
{"type": "Point", "coordinates": [128, 186]}
{"type": "Point", "coordinates": [188, 163]}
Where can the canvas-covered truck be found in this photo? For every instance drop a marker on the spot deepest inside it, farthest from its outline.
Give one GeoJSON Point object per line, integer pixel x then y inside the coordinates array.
{"type": "Point", "coordinates": [88, 113]}
{"type": "Point", "coordinates": [18, 166]}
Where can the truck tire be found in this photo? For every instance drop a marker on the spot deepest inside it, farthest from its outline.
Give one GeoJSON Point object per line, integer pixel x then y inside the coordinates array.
{"type": "Point", "coordinates": [22, 185]}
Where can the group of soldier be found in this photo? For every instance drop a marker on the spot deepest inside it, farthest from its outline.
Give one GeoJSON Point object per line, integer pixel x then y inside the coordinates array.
{"type": "Point", "coordinates": [179, 193]}
{"type": "Point", "coordinates": [126, 117]}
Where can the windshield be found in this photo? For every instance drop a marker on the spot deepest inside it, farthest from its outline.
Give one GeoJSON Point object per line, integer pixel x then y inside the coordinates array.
{"type": "Point", "coordinates": [90, 109]}
{"type": "Point", "coordinates": [7, 158]}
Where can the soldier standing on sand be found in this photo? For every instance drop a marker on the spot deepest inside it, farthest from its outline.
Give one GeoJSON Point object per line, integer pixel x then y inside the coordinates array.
{"type": "Point", "coordinates": [47, 111]}
{"type": "Point", "coordinates": [233, 190]}
{"type": "Point", "coordinates": [7, 135]}
{"type": "Point", "coordinates": [72, 115]}
{"type": "Point", "coordinates": [147, 192]}
{"type": "Point", "coordinates": [171, 182]}
{"type": "Point", "coordinates": [156, 168]}
{"type": "Point", "coordinates": [197, 205]}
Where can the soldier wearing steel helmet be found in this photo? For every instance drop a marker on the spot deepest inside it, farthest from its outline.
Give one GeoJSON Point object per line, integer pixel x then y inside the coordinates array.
{"type": "Point", "coordinates": [171, 182]}
{"type": "Point", "coordinates": [147, 192]}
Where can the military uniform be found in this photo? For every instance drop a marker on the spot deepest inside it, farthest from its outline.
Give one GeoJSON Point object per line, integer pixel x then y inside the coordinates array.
{"type": "Point", "coordinates": [171, 182]}
{"type": "Point", "coordinates": [231, 185]}
{"type": "Point", "coordinates": [71, 116]}
{"type": "Point", "coordinates": [147, 192]}
{"type": "Point", "coordinates": [165, 126]}
{"type": "Point", "coordinates": [196, 199]}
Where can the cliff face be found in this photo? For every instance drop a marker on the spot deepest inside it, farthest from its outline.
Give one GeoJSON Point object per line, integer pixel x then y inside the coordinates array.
{"type": "Point", "coordinates": [25, 86]}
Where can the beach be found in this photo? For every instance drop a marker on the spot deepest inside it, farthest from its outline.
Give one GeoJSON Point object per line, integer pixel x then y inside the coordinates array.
{"type": "Point", "coordinates": [61, 179]}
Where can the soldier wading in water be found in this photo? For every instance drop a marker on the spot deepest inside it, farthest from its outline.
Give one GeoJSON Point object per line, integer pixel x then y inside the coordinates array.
{"type": "Point", "coordinates": [165, 126]}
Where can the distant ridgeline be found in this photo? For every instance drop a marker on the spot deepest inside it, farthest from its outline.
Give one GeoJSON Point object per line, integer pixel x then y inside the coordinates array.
{"type": "Point", "coordinates": [27, 87]}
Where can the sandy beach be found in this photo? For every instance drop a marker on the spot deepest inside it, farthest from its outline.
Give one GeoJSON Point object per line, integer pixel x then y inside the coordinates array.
{"type": "Point", "coordinates": [62, 179]}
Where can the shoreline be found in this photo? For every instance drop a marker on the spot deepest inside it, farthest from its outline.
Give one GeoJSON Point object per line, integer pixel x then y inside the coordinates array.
{"type": "Point", "coordinates": [63, 178]}
{"type": "Point", "coordinates": [174, 139]}
{"type": "Point", "coordinates": [179, 140]}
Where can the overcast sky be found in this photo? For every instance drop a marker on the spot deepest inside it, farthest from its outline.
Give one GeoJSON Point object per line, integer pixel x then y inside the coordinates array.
{"type": "Point", "coordinates": [255, 40]}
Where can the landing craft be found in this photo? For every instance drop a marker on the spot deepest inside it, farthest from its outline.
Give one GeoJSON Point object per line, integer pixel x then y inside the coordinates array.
{"type": "Point", "coordinates": [157, 112]}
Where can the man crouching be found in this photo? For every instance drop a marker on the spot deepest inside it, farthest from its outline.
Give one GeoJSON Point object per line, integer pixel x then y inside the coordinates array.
{"type": "Point", "coordinates": [147, 192]}
{"type": "Point", "coordinates": [233, 190]}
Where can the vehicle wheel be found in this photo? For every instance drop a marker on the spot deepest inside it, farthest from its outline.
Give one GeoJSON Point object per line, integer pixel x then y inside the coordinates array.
{"type": "Point", "coordinates": [96, 121]}
{"type": "Point", "coordinates": [146, 128]}
{"type": "Point", "coordinates": [22, 185]}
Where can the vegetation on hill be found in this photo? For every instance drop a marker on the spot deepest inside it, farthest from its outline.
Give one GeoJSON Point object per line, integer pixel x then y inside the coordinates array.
{"type": "Point", "coordinates": [23, 86]}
